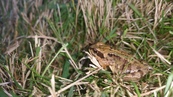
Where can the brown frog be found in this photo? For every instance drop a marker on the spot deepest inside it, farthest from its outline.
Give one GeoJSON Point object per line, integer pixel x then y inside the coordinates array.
{"type": "Point", "coordinates": [119, 62]}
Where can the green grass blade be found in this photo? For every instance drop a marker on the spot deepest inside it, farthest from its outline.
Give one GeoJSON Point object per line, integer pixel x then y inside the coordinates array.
{"type": "Point", "coordinates": [168, 84]}
{"type": "Point", "coordinates": [135, 10]}
{"type": "Point", "coordinates": [65, 72]}
{"type": "Point", "coordinates": [57, 34]}
{"type": "Point", "coordinates": [136, 89]}
{"type": "Point", "coordinates": [70, 93]}
{"type": "Point", "coordinates": [63, 46]}
{"type": "Point", "coordinates": [2, 93]}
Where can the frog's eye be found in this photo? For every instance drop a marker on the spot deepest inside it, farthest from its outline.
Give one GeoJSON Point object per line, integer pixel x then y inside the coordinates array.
{"type": "Point", "coordinates": [98, 53]}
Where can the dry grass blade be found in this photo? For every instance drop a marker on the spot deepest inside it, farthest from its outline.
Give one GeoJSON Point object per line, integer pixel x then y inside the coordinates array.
{"type": "Point", "coordinates": [161, 10]}
{"type": "Point", "coordinates": [76, 82]}
{"type": "Point", "coordinates": [5, 83]}
{"type": "Point", "coordinates": [12, 47]}
{"type": "Point", "coordinates": [97, 15]}
{"type": "Point", "coordinates": [38, 53]}
{"type": "Point", "coordinates": [94, 61]}
{"type": "Point", "coordinates": [71, 59]}
{"type": "Point", "coordinates": [151, 92]}
{"type": "Point", "coordinates": [161, 57]}
{"type": "Point", "coordinates": [52, 90]}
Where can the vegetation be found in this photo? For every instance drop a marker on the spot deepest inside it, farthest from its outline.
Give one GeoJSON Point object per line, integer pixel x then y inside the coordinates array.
{"type": "Point", "coordinates": [42, 41]}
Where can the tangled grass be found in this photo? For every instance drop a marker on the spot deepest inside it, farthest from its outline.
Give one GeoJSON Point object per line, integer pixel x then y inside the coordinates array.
{"type": "Point", "coordinates": [42, 42]}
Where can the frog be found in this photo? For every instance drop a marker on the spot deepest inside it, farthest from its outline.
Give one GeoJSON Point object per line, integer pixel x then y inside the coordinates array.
{"type": "Point", "coordinates": [119, 62]}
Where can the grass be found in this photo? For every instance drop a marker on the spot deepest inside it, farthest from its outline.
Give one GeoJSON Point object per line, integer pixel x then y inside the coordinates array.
{"type": "Point", "coordinates": [42, 43]}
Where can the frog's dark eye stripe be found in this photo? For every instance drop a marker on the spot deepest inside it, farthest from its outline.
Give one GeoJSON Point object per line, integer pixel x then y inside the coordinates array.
{"type": "Point", "coordinates": [98, 53]}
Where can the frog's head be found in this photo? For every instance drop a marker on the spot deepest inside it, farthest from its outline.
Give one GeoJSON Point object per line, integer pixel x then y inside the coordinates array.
{"type": "Point", "coordinates": [99, 49]}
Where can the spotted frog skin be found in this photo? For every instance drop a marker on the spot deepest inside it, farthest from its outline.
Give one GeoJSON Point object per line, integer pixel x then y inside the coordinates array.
{"type": "Point", "coordinates": [119, 62]}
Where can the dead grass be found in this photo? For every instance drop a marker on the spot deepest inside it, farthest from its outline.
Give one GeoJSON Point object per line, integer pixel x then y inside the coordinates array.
{"type": "Point", "coordinates": [42, 42]}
